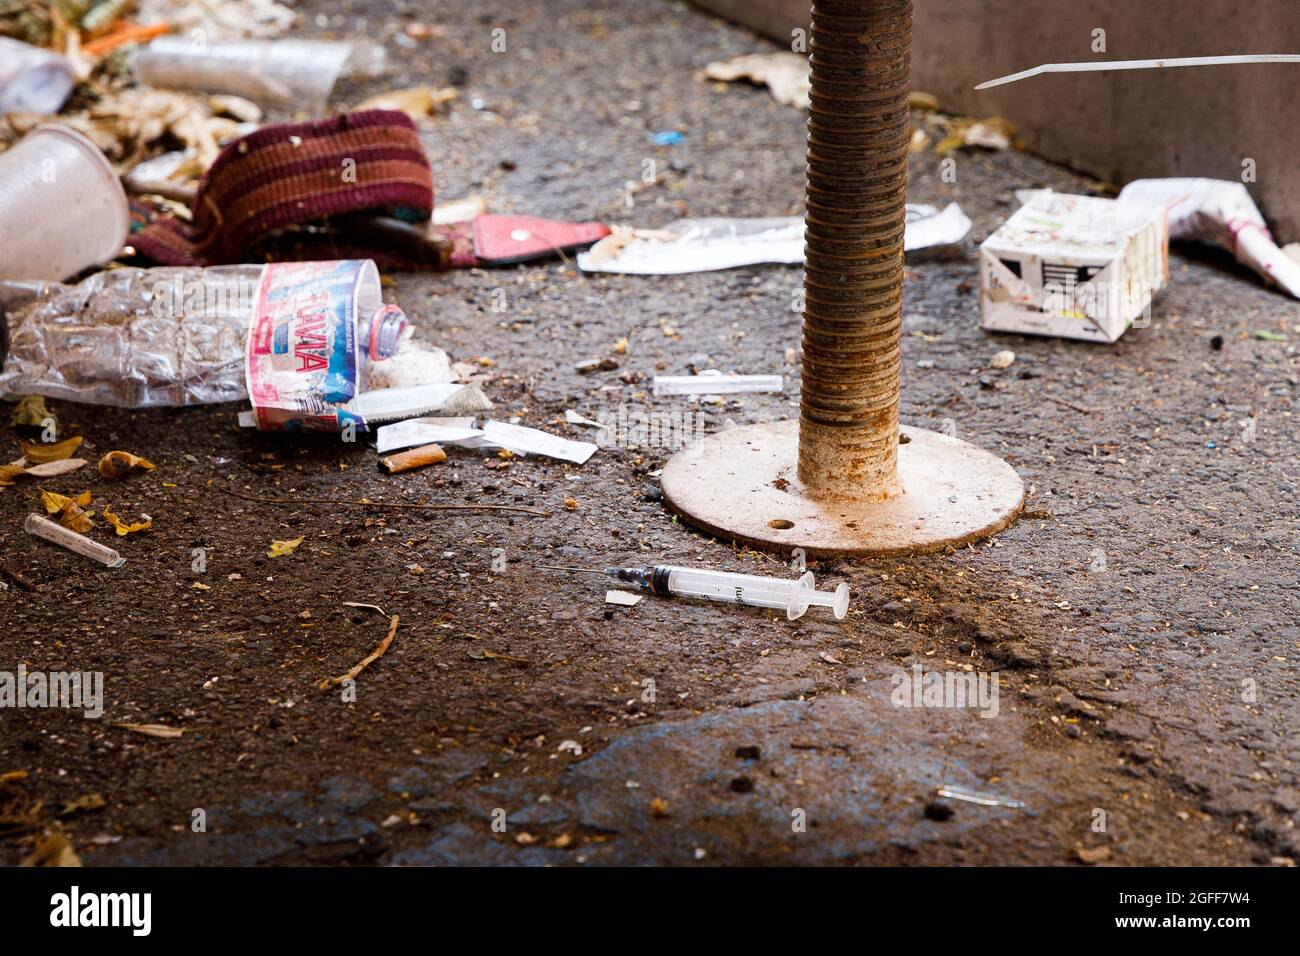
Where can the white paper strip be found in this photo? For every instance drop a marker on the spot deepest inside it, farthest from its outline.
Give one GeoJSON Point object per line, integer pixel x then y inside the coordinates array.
{"type": "Point", "coordinates": [525, 441]}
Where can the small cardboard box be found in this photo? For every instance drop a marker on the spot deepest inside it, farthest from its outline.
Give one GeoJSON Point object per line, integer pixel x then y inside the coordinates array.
{"type": "Point", "coordinates": [1078, 267]}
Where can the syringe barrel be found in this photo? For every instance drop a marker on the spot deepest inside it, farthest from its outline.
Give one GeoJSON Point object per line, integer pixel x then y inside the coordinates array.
{"type": "Point", "coordinates": [724, 586]}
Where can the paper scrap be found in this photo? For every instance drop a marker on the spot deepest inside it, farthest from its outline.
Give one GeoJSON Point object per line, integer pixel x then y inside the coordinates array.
{"type": "Point", "coordinates": [623, 598]}
{"type": "Point", "coordinates": [522, 441]}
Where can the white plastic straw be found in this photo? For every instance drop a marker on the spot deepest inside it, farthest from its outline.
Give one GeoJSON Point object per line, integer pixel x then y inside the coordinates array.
{"type": "Point", "coordinates": [57, 534]}
{"type": "Point", "coordinates": [1107, 65]}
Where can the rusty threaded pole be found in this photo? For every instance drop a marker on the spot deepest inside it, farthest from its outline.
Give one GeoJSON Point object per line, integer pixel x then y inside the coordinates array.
{"type": "Point", "coordinates": [853, 273]}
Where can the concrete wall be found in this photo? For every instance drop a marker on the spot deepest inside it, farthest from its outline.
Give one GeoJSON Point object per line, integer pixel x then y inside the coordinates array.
{"type": "Point", "coordinates": [1117, 126]}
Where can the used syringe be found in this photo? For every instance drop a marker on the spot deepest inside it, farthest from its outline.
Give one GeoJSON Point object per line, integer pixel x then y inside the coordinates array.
{"type": "Point", "coordinates": [795, 597]}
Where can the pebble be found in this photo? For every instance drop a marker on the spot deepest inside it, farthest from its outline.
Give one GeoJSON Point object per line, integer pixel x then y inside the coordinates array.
{"type": "Point", "coordinates": [938, 810]}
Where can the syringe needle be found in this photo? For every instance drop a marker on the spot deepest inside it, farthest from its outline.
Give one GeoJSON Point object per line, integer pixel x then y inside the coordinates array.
{"type": "Point", "coordinates": [557, 567]}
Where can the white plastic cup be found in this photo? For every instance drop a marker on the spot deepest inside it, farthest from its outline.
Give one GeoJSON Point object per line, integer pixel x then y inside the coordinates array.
{"type": "Point", "coordinates": [62, 207]}
{"type": "Point", "coordinates": [290, 73]}
{"type": "Point", "coordinates": [32, 80]}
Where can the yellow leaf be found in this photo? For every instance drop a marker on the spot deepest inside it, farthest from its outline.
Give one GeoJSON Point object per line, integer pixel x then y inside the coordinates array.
{"type": "Point", "coordinates": [281, 548]}
{"type": "Point", "coordinates": [68, 509]}
{"type": "Point", "coordinates": [123, 529]}
{"type": "Point", "coordinates": [8, 473]}
{"type": "Point", "coordinates": [118, 464]}
{"type": "Point", "coordinates": [39, 453]}
{"type": "Point", "coordinates": [153, 730]}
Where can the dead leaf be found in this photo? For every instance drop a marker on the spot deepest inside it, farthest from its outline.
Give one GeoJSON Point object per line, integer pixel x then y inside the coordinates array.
{"type": "Point", "coordinates": [153, 730]}
{"type": "Point", "coordinates": [281, 548]}
{"type": "Point", "coordinates": [123, 529]}
{"type": "Point", "coordinates": [200, 586]}
{"type": "Point", "coordinates": [40, 452]}
{"type": "Point", "coordinates": [119, 464]}
{"type": "Point", "coordinates": [86, 803]}
{"type": "Point", "coordinates": [31, 410]}
{"type": "Point", "coordinates": [1090, 855]}
{"type": "Point", "coordinates": [53, 469]}
{"type": "Point", "coordinates": [11, 776]}
{"type": "Point", "coordinates": [9, 472]}
{"type": "Point", "coordinates": [416, 102]}
{"type": "Point", "coordinates": [69, 510]}
{"type": "Point", "coordinates": [828, 657]}
{"type": "Point", "coordinates": [53, 850]}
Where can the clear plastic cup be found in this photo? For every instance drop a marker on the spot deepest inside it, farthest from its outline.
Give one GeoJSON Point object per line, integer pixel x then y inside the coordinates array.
{"type": "Point", "coordinates": [62, 207]}
{"type": "Point", "coordinates": [289, 73]}
{"type": "Point", "coordinates": [32, 80]}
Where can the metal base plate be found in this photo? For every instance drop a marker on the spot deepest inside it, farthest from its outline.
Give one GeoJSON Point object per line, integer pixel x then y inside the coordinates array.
{"type": "Point", "coordinates": [740, 485]}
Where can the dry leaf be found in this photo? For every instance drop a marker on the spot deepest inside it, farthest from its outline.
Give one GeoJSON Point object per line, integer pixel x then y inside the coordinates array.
{"type": "Point", "coordinates": [90, 801]}
{"type": "Point", "coordinates": [153, 730]}
{"type": "Point", "coordinates": [123, 529]}
{"type": "Point", "coordinates": [52, 469]}
{"type": "Point", "coordinates": [39, 452]}
{"type": "Point", "coordinates": [119, 464]}
{"type": "Point", "coordinates": [9, 472]}
{"type": "Point", "coordinates": [69, 510]}
{"type": "Point", "coordinates": [1091, 855]}
{"type": "Point", "coordinates": [53, 850]}
{"type": "Point", "coordinates": [416, 102]}
{"type": "Point", "coordinates": [281, 548]}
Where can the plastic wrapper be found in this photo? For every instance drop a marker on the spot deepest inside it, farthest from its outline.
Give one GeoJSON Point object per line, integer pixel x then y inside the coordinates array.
{"type": "Point", "coordinates": [1221, 213]}
{"type": "Point", "coordinates": [134, 338]}
{"type": "Point", "coordinates": [703, 245]}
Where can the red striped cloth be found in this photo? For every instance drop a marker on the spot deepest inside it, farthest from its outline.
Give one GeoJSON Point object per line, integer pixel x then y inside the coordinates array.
{"type": "Point", "coordinates": [297, 174]}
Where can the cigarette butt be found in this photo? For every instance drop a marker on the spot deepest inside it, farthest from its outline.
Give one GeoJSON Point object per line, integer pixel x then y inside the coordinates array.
{"type": "Point", "coordinates": [415, 458]}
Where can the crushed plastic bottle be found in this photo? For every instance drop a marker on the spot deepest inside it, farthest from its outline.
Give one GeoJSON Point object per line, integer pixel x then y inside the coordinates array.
{"type": "Point", "coordinates": [140, 338]}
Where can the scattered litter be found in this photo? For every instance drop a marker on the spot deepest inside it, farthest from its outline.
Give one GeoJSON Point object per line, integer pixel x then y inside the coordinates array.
{"type": "Point", "coordinates": [623, 598]}
{"type": "Point", "coordinates": [794, 597]}
{"type": "Point", "coordinates": [429, 454]}
{"type": "Point", "coordinates": [587, 366]}
{"type": "Point", "coordinates": [1078, 267]}
{"type": "Point", "coordinates": [1264, 335]}
{"type": "Point", "coordinates": [504, 240]}
{"type": "Point", "coordinates": [994, 133]}
{"type": "Point", "coordinates": [955, 792]}
{"type": "Point", "coordinates": [365, 662]}
{"type": "Point", "coordinates": [1004, 359]}
{"type": "Point", "coordinates": [1101, 66]}
{"type": "Point", "coordinates": [117, 465]}
{"type": "Point", "coordinates": [417, 102]}
{"type": "Point", "coordinates": [425, 431]}
{"type": "Point", "coordinates": [573, 418]}
{"type": "Point", "coordinates": [289, 73]}
{"type": "Point", "coordinates": [705, 245]}
{"type": "Point", "coordinates": [153, 730]}
{"type": "Point", "coordinates": [711, 382]}
{"type": "Point", "coordinates": [65, 230]}
{"type": "Point", "coordinates": [227, 20]}
{"type": "Point", "coordinates": [570, 746]}
{"type": "Point", "coordinates": [669, 137]}
{"type": "Point", "coordinates": [785, 74]}
{"type": "Point", "coordinates": [124, 528]}
{"type": "Point", "coordinates": [279, 549]}
{"type": "Point", "coordinates": [32, 80]}
{"type": "Point", "coordinates": [525, 441]}
{"type": "Point", "coordinates": [1223, 214]}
